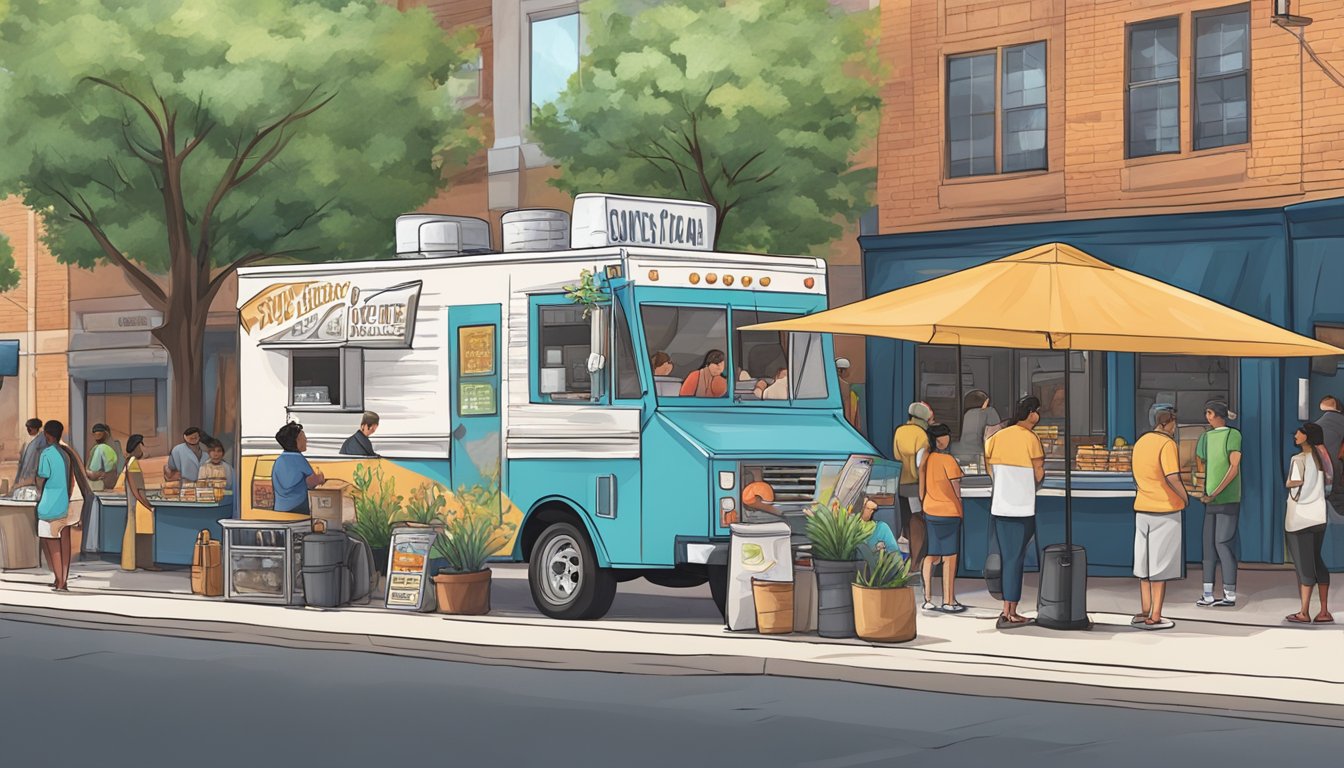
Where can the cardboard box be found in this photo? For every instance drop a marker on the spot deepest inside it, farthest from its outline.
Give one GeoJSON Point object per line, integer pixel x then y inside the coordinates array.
{"type": "Point", "coordinates": [329, 501]}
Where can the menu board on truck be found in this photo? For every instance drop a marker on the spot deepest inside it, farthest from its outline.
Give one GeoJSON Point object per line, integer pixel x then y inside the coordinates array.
{"type": "Point", "coordinates": [408, 583]}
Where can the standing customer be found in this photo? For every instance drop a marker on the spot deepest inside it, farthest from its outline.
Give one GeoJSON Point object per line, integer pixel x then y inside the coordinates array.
{"type": "Point", "coordinates": [1332, 430]}
{"type": "Point", "coordinates": [292, 476]}
{"type": "Point", "coordinates": [31, 455]}
{"type": "Point", "coordinates": [1158, 504]}
{"type": "Point", "coordinates": [102, 460]}
{"type": "Point", "coordinates": [910, 445]}
{"type": "Point", "coordinates": [1305, 521]}
{"type": "Point", "coordinates": [1218, 452]}
{"type": "Point", "coordinates": [1016, 464]}
{"type": "Point", "coordinates": [849, 399]}
{"type": "Point", "coordinates": [359, 444]}
{"type": "Point", "coordinates": [184, 461]}
{"type": "Point", "coordinates": [55, 480]}
{"type": "Point", "coordinates": [940, 495]}
{"type": "Point", "coordinates": [137, 544]}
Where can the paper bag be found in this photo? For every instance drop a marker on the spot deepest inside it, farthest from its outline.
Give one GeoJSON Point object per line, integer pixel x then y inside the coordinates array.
{"type": "Point", "coordinates": [207, 570]}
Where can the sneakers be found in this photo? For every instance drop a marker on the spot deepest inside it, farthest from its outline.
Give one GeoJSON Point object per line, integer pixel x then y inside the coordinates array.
{"type": "Point", "coordinates": [1209, 601]}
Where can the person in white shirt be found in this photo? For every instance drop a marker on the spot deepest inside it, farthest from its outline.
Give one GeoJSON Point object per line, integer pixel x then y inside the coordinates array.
{"type": "Point", "coordinates": [1304, 524]}
{"type": "Point", "coordinates": [776, 390]}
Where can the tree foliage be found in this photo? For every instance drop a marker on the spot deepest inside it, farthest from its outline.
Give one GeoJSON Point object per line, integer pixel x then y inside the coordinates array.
{"type": "Point", "coordinates": [757, 107]}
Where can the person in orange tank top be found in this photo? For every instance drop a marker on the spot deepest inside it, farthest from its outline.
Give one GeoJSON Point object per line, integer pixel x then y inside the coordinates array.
{"type": "Point", "coordinates": [940, 494]}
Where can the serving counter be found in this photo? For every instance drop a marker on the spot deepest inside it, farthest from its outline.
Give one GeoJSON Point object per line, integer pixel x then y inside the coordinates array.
{"type": "Point", "coordinates": [18, 534]}
{"type": "Point", "coordinates": [176, 525]}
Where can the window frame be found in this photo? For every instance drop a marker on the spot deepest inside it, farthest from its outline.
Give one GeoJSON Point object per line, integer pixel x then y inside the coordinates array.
{"type": "Point", "coordinates": [536, 305]}
{"type": "Point", "coordinates": [1195, 79]}
{"type": "Point", "coordinates": [1157, 23]}
{"type": "Point", "coordinates": [1000, 114]}
{"type": "Point", "coordinates": [529, 18]}
{"type": "Point", "coordinates": [350, 362]}
{"type": "Point", "coordinates": [728, 351]}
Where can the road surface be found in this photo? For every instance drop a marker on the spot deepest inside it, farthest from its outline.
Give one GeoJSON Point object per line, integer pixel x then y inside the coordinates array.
{"type": "Point", "coordinates": [71, 697]}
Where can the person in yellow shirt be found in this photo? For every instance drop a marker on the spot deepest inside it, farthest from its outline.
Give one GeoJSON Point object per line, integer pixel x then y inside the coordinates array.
{"type": "Point", "coordinates": [1016, 464]}
{"type": "Point", "coordinates": [1157, 516]}
{"type": "Point", "coordinates": [137, 544]}
{"type": "Point", "coordinates": [910, 445]}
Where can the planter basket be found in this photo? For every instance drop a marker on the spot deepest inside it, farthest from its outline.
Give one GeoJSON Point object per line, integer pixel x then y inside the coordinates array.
{"type": "Point", "coordinates": [463, 594]}
{"type": "Point", "coordinates": [774, 606]}
{"type": "Point", "coordinates": [884, 615]}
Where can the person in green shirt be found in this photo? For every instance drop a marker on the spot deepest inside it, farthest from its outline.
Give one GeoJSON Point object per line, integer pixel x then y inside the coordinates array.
{"type": "Point", "coordinates": [1218, 453]}
{"type": "Point", "coordinates": [102, 469]}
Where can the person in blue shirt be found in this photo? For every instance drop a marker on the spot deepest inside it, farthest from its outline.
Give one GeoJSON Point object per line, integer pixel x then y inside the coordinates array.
{"type": "Point", "coordinates": [54, 481]}
{"type": "Point", "coordinates": [882, 537]}
{"type": "Point", "coordinates": [292, 476]}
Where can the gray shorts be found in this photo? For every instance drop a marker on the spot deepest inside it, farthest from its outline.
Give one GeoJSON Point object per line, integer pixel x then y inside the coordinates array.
{"type": "Point", "coordinates": [1157, 546]}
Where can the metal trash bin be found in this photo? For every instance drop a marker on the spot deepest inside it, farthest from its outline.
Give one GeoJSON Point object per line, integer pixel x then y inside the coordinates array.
{"type": "Point", "coordinates": [326, 577]}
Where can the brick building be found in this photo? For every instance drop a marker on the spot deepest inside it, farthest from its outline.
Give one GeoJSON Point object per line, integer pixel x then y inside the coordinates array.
{"type": "Point", "coordinates": [1196, 141]}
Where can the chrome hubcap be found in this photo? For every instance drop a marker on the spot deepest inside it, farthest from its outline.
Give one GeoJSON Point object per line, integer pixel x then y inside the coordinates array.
{"type": "Point", "coordinates": [563, 576]}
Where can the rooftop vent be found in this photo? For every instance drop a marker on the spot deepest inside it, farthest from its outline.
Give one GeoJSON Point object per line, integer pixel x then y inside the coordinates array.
{"type": "Point", "coordinates": [435, 235]}
{"type": "Point", "coordinates": [537, 229]}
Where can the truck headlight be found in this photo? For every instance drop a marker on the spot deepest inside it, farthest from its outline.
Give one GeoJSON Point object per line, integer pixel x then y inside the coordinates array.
{"type": "Point", "coordinates": [727, 511]}
{"type": "Point", "coordinates": [727, 504]}
{"type": "Point", "coordinates": [727, 480]}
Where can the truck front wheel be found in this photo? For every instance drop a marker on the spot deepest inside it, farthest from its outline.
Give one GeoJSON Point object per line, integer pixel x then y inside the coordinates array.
{"type": "Point", "coordinates": [564, 576]}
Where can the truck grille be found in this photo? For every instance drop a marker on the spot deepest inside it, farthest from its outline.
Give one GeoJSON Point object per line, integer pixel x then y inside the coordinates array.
{"type": "Point", "coordinates": [792, 483]}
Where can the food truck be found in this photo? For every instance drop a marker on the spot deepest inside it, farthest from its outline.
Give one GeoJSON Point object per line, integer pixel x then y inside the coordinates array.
{"type": "Point", "coordinates": [592, 380]}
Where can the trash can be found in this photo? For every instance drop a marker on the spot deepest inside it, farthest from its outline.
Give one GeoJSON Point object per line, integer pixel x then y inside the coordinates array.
{"type": "Point", "coordinates": [758, 551]}
{"type": "Point", "coordinates": [326, 577]}
{"type": "Point", "coordinates": [1063, 597]}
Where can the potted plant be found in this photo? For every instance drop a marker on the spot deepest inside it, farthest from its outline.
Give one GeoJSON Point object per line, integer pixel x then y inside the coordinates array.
{"type": "Point", "coordinates": [884, 604]}
{"type": "Point", "coordinates": [471, 534]}
{"type": "Point", "coordinates": [836, 536]}
{"type": "Point", "coordinates": [377, 505]}
{"type": "Point", "coordinates": [587, 292]}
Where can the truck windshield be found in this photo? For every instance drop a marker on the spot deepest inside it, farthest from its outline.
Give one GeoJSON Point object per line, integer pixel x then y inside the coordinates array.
{"type": "Point", "coordinates": [691, 352]}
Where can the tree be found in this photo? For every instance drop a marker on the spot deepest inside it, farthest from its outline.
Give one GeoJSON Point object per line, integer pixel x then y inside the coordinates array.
{"type": "Point", "coordinates": [181, 140]}
{"type": "Point", "coordinates": [757, 107]}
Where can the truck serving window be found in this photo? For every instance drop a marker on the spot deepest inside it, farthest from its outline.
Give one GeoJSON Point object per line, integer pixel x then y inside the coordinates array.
{"type": "Point", "coordinates": [566, 341]}
{"type": "Point", "coordinates": [327, 378]}
{"type": "Point", "coordinates": [688, 349]}
{"type": "Point", "coordinates": [775, 365]}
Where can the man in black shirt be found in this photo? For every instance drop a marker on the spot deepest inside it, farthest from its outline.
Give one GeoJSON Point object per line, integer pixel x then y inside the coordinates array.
{"type": "Point", "coordinates": [359, 444]}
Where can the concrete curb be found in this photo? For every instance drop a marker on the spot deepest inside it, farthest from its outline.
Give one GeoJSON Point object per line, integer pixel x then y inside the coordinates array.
{"type": "Point", "coordinates": [1244, 707]}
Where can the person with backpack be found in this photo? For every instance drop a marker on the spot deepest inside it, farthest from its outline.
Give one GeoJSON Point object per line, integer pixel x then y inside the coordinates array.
{"type": "Point", "coordinates": [1304, 523]}
{"type": "Point", "coordinates": [1218, 453]}
{"type": "Point", "coordinates": [1158, 503]}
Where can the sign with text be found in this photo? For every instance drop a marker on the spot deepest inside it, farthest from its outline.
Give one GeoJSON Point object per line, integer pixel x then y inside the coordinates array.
{"type": "Point", "coordinates": [476, 350]}
{"type": "Point", "coordinates": [408, 583]}
{"type": "Point", "coordinates": [606, 220]}
{"type": "Point", "coordinates": [333, 313]}
{"type": "Point", "coordinates": [476, 399]}
{"type": "Point", "coordinates": [112, 322]}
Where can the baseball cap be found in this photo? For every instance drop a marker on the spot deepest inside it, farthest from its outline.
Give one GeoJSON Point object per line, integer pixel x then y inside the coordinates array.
{"type": "Point", "coordinates": [101, 427]}
{"type": "Point", "coordinates": [842, 362]}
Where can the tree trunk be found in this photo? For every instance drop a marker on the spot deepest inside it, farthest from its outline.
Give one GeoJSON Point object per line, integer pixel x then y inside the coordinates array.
{"type": "Point", "coordinates": [183, 336]}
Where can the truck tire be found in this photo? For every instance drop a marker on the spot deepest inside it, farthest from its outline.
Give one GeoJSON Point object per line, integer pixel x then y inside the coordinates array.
{"type": "Point", "coordinates": [564, 577]}
{"type": "Point", "coordinates": [718, 588]}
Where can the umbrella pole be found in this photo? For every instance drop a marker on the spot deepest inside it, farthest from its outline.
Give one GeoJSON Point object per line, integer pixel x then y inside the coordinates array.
{"type": "Point", "coordinates": [1068, 460]}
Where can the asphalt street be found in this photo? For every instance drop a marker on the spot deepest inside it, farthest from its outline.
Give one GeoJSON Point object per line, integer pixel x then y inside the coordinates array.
{"type": "Point", "coordinates": [106, 698]}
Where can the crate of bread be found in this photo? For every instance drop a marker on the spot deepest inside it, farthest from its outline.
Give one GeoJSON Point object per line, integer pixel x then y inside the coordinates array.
{"type": "Point", "coordinates": [1093, 458]}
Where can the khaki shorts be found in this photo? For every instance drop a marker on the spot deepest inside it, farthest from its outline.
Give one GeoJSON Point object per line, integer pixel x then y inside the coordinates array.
{"type": "Point", "coordinates": [1157, 546]}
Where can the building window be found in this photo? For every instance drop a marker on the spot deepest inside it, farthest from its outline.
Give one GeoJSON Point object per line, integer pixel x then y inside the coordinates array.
{"type": "Point", "coordinates": [1154, 98]}
{"type": "Point", "coordinates": [555, 56]}
{"type": "Point", "coordinates": [1222, 64]}
{"type": "Point", "coordinates": [128, 407]}
{"type": "Point", "coordinates": [1024, 108]}
{"type": "Point", "coordinates": [970, 115]}
{"type": "Point", "coordinates": [327, 379]}
{"type": "Point", "coordinates": [868, 222]}
{"type": "Point", "coordinates": [464, 85]}
{"type": "Point", "coordinates": [973, 111]}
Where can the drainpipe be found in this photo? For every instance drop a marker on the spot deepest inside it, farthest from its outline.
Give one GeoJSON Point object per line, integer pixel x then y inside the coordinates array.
{"type": "Point", "coordinates": [32, 314]}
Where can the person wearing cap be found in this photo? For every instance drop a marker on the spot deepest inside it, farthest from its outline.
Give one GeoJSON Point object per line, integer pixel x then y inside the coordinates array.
{"type": "Point", "coordinates": [848, 397]}
{"type": "Point", "coordinates": [137, 543]}
{"type": "Point", "coordinates": [1218, 454]}
{"type": "Point", "coordinates": [1158, 503]}
{"type": "Point", "coordinates": [910, 445]}
{"type": "Point", "coordinates": [102, 466]}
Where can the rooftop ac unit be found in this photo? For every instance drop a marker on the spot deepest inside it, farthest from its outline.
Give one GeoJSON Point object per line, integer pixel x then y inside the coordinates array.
{"type": "Point", "coordinates": [536, 229]}
{"type": "Point", "coordinates": [435, 235]}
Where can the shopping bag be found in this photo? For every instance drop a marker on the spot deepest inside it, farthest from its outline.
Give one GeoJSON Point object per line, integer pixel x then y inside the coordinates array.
{"type": "Point", "coordinates": [207, 571]}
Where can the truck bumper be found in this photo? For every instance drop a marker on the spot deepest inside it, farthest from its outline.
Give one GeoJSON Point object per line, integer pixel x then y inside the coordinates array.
{"type": "Point", "coordinates": [702, 551]}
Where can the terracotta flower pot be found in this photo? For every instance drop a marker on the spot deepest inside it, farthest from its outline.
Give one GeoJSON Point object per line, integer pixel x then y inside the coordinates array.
{"type": "Point", "coordinates": [774, 606]}
{"type": "Point", "coordinates": [884, 615]}
{"type": "Point", "coordinates": [463, 594]}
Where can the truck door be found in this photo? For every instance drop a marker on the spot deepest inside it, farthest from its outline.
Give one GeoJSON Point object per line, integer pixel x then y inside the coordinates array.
{"type": "Point", "coordinates": [473, 374]}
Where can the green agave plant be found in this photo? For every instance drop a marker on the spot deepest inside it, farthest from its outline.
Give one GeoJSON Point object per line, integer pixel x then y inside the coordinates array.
{"type": "Point", "coordinates": [836, 534]}
{"type": "Point", "coordinates": [885, 570]}
{"type": "Point", "coordinates": [376, 506]}
{"type": "Point", "coordinates": [470, 536]}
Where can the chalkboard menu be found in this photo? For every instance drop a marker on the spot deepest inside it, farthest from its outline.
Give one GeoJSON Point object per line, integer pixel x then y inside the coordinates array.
{"type": "Point", "coordinates": [476, 399]}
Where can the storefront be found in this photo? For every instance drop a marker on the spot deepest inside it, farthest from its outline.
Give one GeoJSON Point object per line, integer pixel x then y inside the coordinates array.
{"type": "Point", "coordinates": [1273, 264]}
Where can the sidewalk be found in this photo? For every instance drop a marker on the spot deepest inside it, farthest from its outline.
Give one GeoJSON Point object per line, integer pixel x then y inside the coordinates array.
{"type": "Point", "coordinates": [1244, 660]}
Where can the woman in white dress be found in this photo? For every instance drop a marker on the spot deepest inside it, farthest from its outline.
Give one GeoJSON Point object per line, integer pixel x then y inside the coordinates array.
{"type": "Point", "coordinates": [1304, 524]}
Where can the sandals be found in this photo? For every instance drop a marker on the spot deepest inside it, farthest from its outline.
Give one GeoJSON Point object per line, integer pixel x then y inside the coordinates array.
{"type": "Point", "coordinates": [953, 607]}
{"type": "Point", "coordinates": [1149, 624]}
{"type": "Point", "coordinates": [1298, 618]}
{"type": "Point", "coordinates": [928, 606]}
{"type": "Point", "coordinates": [1323, 619]}
{"type": "Point", "coordinates": [1139, 618]}
{"type": "Point", "coordinates": [1005, 623]}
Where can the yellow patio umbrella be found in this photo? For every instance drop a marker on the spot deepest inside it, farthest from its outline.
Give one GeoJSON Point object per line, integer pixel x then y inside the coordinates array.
{"type": "Point", "coordinates": [1055, 296]}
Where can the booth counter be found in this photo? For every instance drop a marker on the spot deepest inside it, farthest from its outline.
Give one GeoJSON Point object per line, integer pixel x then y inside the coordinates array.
{"type": "Point", "coordinates": [176, 525]}
{"type": "Point", "coordinates": [18, 534]}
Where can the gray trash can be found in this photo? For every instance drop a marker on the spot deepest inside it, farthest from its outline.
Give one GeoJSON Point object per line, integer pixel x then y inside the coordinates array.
{"type": "Point", "coordinates": [326, 577]}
